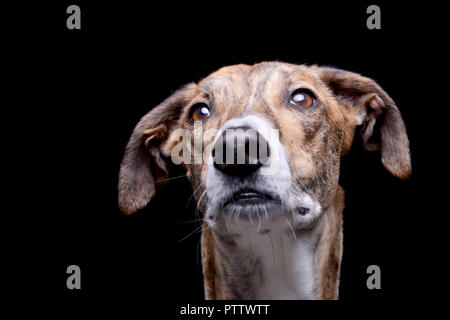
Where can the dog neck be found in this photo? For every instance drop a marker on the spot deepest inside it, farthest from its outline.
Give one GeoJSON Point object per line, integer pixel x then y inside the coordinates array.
{"type": "Point", "coordinates": [276, 264]}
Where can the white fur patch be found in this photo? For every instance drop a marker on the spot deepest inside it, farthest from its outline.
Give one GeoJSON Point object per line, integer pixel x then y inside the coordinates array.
{"type": "Point", "coordinates": [270, 233]}
{"type": "Point", "coordinates": [287, 264]}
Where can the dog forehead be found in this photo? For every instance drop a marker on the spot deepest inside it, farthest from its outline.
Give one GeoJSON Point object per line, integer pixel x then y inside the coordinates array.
{"type": "Point", "coordinates": [244, 79]}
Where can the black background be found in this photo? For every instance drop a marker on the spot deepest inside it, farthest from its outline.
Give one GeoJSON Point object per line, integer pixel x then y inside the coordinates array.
{"type": "Point", "coordinates": [86, 89]}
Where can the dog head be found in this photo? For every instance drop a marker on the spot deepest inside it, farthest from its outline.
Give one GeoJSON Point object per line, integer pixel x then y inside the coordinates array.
{"type": "Point", "coordinates": [262, 144]}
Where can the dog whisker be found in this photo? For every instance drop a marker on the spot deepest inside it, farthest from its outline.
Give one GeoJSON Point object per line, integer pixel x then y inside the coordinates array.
{"type": "Point", "coordinates": [226, 223]}
{"type": "Point", "coordinates": [172, 178]}
{"type": "Point", "coordinates": [190, 221]}
{"type": "Point", "coordinates": [259, 223]}
{"type": "Point", "coordinates": [197, 211]}
{"type": "Point", "coordinates": [251, 220]}
{"type": "Point", "coordinates": [190, 234]}
{"type": "Point", "coordinates": [292, 229]}
{"type": "Point", "coordinates": [203, 229]}
{"type": "Point", "coordinates": [193, 194]}
{"type": "Point", "coordinates": [273, 251]}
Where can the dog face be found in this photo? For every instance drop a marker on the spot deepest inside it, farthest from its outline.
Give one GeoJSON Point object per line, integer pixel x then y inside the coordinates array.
{"type": "Point", "coordinates": [303, 118]}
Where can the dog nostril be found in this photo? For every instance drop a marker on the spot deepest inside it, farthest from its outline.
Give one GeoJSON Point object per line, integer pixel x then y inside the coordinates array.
{"type": "Point", "coordinates": [302, 210]}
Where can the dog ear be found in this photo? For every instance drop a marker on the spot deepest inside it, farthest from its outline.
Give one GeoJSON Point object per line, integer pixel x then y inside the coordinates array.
{"type": "Point", "coordinates": [366, 103]}
{"type": "Point", "coordinates": [143, 163]}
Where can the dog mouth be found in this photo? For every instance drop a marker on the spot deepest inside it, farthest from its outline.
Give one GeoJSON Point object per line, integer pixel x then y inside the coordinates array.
{"type": "Point", "coordinates": [249, 197]}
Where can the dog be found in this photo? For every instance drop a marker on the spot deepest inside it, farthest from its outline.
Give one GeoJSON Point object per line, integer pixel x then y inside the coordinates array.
{"type": "Point", "coordinates": [273, 234]}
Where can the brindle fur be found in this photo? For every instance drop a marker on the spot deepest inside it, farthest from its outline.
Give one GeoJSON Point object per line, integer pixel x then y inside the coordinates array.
{"type": "Point", "coordinates": [315, 140]}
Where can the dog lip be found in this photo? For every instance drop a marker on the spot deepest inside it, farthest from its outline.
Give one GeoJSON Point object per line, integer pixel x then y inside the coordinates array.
{"type": "Point", "coordinates": [250, 196]}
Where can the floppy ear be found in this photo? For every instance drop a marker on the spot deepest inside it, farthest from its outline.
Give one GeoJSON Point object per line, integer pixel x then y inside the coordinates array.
{"type": "Point", "coordinates": [365, 102]}
{"type": "Point", "coordinates": [143, 163]}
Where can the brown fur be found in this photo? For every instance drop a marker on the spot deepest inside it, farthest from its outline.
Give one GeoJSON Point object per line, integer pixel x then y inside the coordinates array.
{"type": "Point", "coordinates": [329, 252]}
{"type": "Point", "coordinates": [315, 140]}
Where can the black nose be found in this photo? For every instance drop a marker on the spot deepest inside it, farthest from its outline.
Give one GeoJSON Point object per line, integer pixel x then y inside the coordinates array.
{"type": "Point", "coordinates": [240, 151]}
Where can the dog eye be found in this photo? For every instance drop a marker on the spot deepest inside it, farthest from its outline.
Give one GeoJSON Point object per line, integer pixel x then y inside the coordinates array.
{"type": "Point", "coordinates": [199, 112]}
{"type": "Point", "coordinates": [303, 98]}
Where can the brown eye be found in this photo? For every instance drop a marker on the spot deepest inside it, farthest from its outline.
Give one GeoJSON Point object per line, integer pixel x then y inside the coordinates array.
{"type": "Point", "coordinates": [303, 98]}
{"type": "Point", "coordinates": [199, 112]}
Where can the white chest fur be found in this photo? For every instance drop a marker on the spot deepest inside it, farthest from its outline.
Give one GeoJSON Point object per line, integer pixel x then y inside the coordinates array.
{"type": "Point", "coordinates": [287, 265]}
